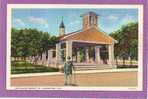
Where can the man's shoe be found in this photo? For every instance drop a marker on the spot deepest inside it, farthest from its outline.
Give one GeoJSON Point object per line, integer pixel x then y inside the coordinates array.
{"type": "Point", "coordinates": [65, 84]}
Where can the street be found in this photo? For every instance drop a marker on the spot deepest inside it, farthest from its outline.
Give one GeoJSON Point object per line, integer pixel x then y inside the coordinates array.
{"type": "Point", "coordinates": [128, 78]}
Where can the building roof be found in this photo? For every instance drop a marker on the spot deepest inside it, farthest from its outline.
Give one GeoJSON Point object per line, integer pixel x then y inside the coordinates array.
{"type": "Point", "coordinates": [92, 35]}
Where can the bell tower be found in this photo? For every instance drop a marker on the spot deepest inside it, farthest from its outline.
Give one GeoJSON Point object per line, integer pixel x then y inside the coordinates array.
{"type": "Point", "coordinates": [90, 19]}
{"type": "Point", "coordinates": [61, 28]}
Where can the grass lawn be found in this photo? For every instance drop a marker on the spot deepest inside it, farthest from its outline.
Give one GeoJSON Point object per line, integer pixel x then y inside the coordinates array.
{"type": "Point", "coordinates": [20, 67]}
{"type": "Point", "coordinates": [126, 66]}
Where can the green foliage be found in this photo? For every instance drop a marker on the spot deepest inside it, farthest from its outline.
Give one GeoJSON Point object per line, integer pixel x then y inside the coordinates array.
{"type": "Point", "coordinates": [82, 55]}
{"type": "Point", "coordinates": [127, 38]}
{"type": "Point", "coordinates": [20, 67]}
{"type": "Point", "coordinates": [30, 42]}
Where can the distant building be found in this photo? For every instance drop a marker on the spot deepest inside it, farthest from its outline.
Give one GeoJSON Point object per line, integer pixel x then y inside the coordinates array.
{"type": "Point", "coordinates": [89, 47]}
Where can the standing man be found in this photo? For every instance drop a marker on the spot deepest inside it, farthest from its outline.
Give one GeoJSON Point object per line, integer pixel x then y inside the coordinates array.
{"type": "Point", "coordinates": [68, 68]}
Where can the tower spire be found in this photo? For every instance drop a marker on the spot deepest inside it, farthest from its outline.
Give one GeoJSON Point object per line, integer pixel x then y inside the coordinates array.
{"type": "Point", "coordinates": [62, 28]}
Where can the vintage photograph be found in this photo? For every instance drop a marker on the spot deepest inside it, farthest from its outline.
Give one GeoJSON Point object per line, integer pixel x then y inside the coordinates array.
{"type": "Point", "coordinates": [75, 47]}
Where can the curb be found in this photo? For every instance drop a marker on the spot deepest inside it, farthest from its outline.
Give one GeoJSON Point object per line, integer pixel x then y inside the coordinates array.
{"type": "Point", "coordinates": [78, 72]}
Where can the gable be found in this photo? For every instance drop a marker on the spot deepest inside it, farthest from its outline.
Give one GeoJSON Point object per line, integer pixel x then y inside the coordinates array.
{"type": "Point", "coordinates": [90, 35]}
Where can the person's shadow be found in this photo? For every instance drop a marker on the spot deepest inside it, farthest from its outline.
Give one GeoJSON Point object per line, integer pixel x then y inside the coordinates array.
{"type": "Point", "coordinates": [74, 85]}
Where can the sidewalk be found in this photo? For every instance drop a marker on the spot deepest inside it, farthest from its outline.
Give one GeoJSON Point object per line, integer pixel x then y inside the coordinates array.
{"type": "Point", "coordinates": [77, 72]}
{"type": "Point", "coordinates": [100, 78]}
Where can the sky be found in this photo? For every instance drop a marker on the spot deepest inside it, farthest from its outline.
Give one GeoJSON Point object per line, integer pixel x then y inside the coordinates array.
{"type": "Point", "coordinates": [48, 20]}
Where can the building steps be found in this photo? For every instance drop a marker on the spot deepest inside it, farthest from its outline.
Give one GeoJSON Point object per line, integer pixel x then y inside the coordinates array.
{"type": "Point", "coordinates": [91, 66]}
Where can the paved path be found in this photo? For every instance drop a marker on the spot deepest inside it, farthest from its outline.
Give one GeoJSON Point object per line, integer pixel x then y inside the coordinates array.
{"type": "Point", "coordinates": [128, 78]}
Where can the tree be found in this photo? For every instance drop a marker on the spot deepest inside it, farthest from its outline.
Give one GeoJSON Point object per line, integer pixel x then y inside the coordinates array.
{"type": "Point", "coordinates": [127, 37]}
{"type": "Point", "coordinates": [30, 42]}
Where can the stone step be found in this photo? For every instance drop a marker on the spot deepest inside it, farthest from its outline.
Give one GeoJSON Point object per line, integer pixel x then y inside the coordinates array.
{"type": "Point", "coordinates": [84, 66]}
{"type": "Point", "coordinates": [91, 67]}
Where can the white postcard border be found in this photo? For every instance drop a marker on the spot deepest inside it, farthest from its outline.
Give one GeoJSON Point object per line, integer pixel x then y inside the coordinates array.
{"type": "Point", "coordinates": [67, 6]}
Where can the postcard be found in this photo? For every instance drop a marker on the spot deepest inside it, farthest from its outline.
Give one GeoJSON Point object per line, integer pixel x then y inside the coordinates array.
{"type": "Point", "coordinates": [74, 50]}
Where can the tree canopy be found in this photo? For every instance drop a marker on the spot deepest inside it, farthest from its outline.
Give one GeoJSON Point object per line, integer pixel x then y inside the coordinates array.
{"type": "Point", "coordinates": [30, 42]}
{"type": "Point", "coordinates": [127, 37]}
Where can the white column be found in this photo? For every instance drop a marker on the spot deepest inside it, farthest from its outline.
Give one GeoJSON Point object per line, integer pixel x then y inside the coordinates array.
{"type": "Point", "coordinates": [44, 58]}
{"type": "Point", "coordinates": [58, 53]}
{"type": "Point", "coordinates": [111, 55]}
{"type": "Point", "coordinates": [97, 54]}
{"type": "Point", "coordinates": [68, 49]}
{"type": "Point", "coordinates": [38, 59]}
{"type": "Point", "coordinates": [87, 54]}
{"type": "Point", "coordinates": [31, 59]}
{"type": "Point", "coordinates": [50, 54]}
